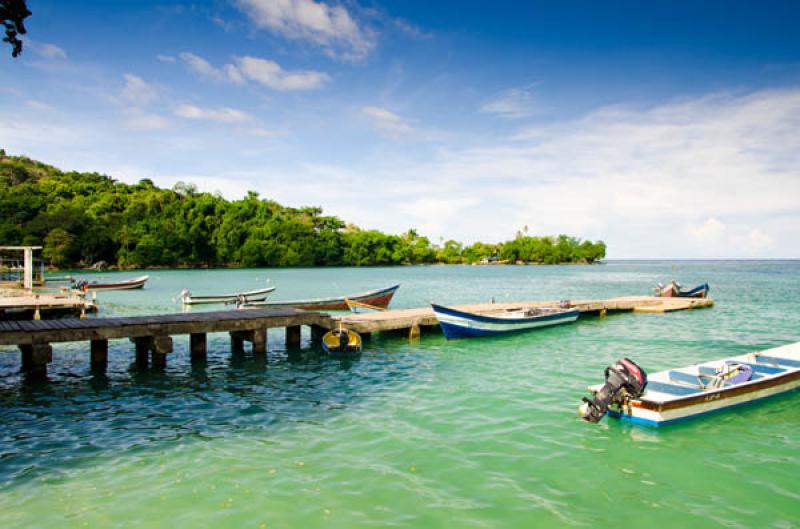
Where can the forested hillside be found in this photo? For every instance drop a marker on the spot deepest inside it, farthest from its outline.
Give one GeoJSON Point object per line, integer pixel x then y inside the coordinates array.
{"type": "Point", "coordinates": [82, 218]}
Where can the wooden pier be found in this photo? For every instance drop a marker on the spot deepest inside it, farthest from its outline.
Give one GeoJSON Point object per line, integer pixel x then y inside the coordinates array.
{"type": "Point", "coordinates": [152, 335]}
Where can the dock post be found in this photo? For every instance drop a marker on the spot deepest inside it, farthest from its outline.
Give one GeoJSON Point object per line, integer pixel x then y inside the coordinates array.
{"type": "Point", "coordinates": [35, 358]}
{"type": "Point", "coordinates": [293, 336]}
{"type": "Point", "coordinates": [317, 332]}
{"type": "Point", "coordinates": [603, 312]}
{"type": "Point", "coordinates": [414, 332]}
{"type": "Point", "coordinates": [237, 342]}
{"type": "Point", "coordinates": [142, 344]}
{"type": "Point", "coordinates": [99, 354]}
{"type": "Point", "coordinates": [198, 345]}
{"type": "Point", "coordinates": [259, 341]}
{"type": "Point", "coordinates": [162, 346]}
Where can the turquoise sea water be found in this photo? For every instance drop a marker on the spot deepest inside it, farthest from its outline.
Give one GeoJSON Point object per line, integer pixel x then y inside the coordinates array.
{"type": "Point", "coordinates": [472, 433]}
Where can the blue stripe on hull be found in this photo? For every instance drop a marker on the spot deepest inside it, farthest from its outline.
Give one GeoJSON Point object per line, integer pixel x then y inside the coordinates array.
{"type": "Point", "coordinates": [647, 422]}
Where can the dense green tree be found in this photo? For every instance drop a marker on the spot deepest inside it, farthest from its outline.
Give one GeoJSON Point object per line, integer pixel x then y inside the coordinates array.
{"type": "Point", "coordinates": [12, 15]}
{"type": "Point", "coordinates": [82, 218]}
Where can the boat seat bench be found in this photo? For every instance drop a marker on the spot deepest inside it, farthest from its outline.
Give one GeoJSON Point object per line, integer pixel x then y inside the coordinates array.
{"type": "Point", "coordinates": [788, 362]}
{"type": "Point", "coordinates": [671, 389]}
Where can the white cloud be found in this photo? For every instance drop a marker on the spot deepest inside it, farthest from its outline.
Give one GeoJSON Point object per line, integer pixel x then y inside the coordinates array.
{"type": "Point", "coordinates": [201, 66]}
{"type": "Point", "coordinates": [262, 71]}
{"type": "Point", "coordinates": [260, 131]}
{"type": "Point", "coordinates": [331, 27]}
{"type": "Point", "coordinates": [222, 115]}
{"type": "Point", "coordinates": [166, 58]}
{"type": "Point", "coordinates": [271, 75]}
{"type": "Point", "coordinates": [138, 91]}
{"type": "Point", "coordinates": [138, 119]}
{"type": "Point", "coordinates": [48, 51]}
{"type": "Point", "coordinates": [387, 120]}
{"type": "Point", "coordinates": [38, 105]}
{"type": "Point", "coordinates": [514, 103]}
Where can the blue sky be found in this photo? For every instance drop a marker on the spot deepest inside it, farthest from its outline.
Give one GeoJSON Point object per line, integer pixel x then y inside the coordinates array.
{"type": "Point", "coordinates": [668, 130]}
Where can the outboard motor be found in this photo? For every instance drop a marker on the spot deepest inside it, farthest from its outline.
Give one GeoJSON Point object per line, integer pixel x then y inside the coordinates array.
{"type": "Point", "coordinates": [624, 380]}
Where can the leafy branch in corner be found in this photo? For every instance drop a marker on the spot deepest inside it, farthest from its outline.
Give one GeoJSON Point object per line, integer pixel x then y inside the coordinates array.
{"type": "Point", "coordinates": [12, 15]}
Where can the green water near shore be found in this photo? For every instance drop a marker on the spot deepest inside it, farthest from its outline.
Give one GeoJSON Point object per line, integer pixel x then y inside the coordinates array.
{"type": "Point", "coordinates": [471, 433]}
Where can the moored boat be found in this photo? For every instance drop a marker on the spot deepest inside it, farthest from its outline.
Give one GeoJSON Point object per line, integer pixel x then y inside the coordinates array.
{"type": "Point", "coordinates": [187, 298]}
{"type": "Point", "coordinates": [341, 342]}
{"type": "Point", "coordinates": [128, 284]}
{"type": "Point", "coordinates": [460, 324]}
{"type": "Point", "coordinates": [676, 395]}
{"type": "Point", "coordinates": [377, 298]}
{"type": "Point", "coordinates": [358, 307]}
{"type": "Point", "coordinates": [674, 290]}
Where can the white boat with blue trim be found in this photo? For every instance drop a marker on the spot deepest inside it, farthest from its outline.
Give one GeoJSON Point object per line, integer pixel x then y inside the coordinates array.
{"type": "Point", "coordinates": [677, 395]}
{"type": "Point", "coordinates": [460, 324]}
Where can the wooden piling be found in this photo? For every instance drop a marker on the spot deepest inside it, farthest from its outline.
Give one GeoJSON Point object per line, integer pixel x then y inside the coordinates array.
{"type": "Point", "coordinates": [99, 354]}
{"type": "Point", "coordinates": [35, 358]}
{"type": "Point", "coordinates": [293, 335]}
{"type": "Point", "coordinates": [258, 338]}
{"type": "Point", "coordinates": [237, 342]}
{"type": "Point", "coordinates": [198, 346]}
{"type": "Point", "coordinates": [143, 346]}
{"type": "Point", "coordinates": [317, 332]}
{"type": "Point", "coordinates": [162, 346]}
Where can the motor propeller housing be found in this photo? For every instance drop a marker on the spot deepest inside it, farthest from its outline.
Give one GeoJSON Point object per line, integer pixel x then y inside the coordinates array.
{"type": "Point", "coordinates": [625, 380]}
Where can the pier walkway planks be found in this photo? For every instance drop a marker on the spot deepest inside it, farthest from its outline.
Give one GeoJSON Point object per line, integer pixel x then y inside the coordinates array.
{"type": "Point", "coordinates": [74, 330]}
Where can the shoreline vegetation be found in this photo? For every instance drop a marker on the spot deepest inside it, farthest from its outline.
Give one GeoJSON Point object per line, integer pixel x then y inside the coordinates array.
{"type": "Point", "coordinates": [86, 218]}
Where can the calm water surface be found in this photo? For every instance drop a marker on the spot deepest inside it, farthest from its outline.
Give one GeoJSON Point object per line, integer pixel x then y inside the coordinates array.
{"type": "Point", "coordinates": [474, 433]}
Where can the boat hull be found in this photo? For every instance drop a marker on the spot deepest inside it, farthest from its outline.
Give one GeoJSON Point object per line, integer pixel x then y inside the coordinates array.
{"type": "Point", "coordinates": [378, 298]}
{"type": "Point", "coordinates": [132, 284]}
{"type": "Point", "coordinates": [332, 345]}
{"type": "Point", "coordinates": [458, 324]}
{"type": "Point", "coordinates": [773, 380]}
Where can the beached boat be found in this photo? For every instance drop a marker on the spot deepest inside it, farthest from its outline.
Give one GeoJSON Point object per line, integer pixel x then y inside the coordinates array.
{"type": "Point", "coordinates": [128, 284]}
{"type": "Point", "coordinates": [676, 395]}
{"type": "Point", "coordinates": [378, 298]}
{"type": "Point", "coordinates": [341, 342]}
{"type": "Point", "coordinates": [460, 324]}
{"type": "Point", "coordinates": [187, 298]}
{"type": "Point", "coordinates": [358, 307]}
{"type": "Point", "coordinates": [674, 290]}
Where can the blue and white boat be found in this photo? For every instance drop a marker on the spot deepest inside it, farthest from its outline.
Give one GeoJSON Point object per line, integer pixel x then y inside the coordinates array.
{"type": "Point", "coordinates": [676, 395]}
{"type": "Point", "coordinates": [460, 324]}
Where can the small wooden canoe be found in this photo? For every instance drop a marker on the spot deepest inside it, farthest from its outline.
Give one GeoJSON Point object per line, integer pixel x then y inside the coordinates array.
{"type": "Point", "coordinates": [378, 298]}
{"type": "Point", "coordinates": [460, 324]}
{"type": "Point", "coordinates": [128, 284]}
{"type": "Point", "coordinates": [254, 295]}
{"type": "Point", "coordinates": [341, 342]}
{"type": "Point", "coordinates": [676, 395]}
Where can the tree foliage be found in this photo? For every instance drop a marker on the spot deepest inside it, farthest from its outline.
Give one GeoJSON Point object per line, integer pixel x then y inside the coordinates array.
{"type": "Point", "coordinates": [82, 218]}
